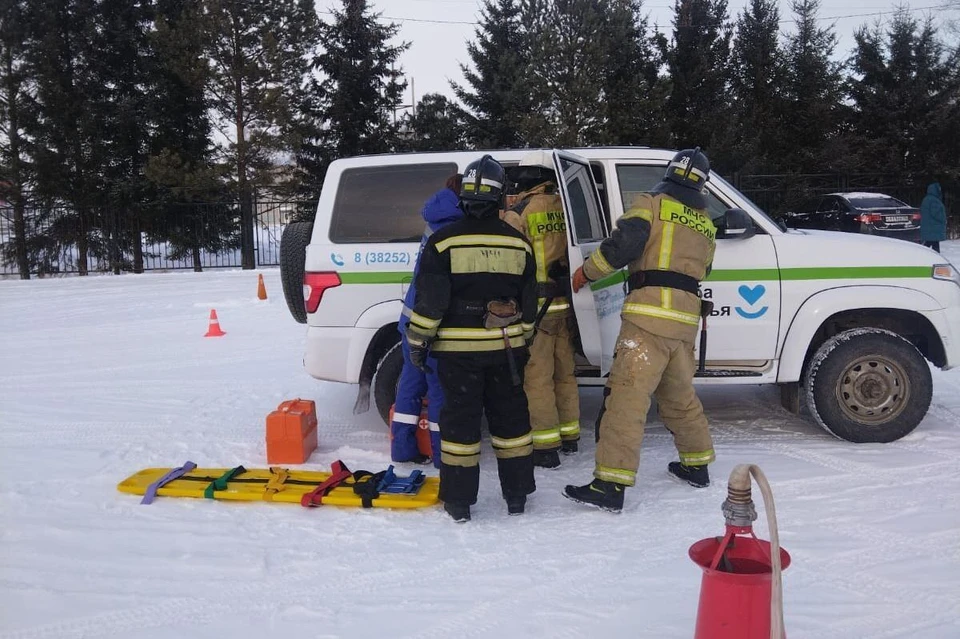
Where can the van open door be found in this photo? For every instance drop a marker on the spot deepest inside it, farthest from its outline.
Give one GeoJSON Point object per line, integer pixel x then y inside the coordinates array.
{"type": "Point", "coordinates": [597, 307]}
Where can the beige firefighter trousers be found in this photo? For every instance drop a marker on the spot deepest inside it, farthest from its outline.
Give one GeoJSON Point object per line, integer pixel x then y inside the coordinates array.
{"type": "Point", "coordinates": [551, 385]}
{"type": "Point", "coordinates": [646, 364]}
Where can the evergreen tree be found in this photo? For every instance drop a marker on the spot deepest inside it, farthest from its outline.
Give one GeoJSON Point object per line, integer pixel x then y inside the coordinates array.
{"type": "Point", "coordinates": [353, 104]}
{"type": "Point", "coordinates": [757, 77]}
{"type": "Point", "coordinates": [181, 166]}
{"type": "Point", "coordinates": [812, 114]}
{"type": "Point", "coordinates": [904, 92]}
{"type": "Point", "coordinates": [698, 62]}
{"type": "Point", "coordinates": [497, 95]}
{"type": "Point", "coordinates": [634, 92]}
{"type": "Point", "coordinates": [69, 151]}
{"type": "Point", "coordinates": [16, 111]}
{"type": "Point", "coordinates": [258, 50]}
{"type": "Point", "coordinates": [437, 125]}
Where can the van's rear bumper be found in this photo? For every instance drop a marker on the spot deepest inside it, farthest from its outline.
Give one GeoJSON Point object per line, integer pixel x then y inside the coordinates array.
{"type": "Point", "coordinates": [335, 354]}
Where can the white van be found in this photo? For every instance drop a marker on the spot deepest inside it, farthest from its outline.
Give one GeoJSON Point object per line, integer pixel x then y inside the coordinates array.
{"type": "Point", "coordinates": [848, 319]}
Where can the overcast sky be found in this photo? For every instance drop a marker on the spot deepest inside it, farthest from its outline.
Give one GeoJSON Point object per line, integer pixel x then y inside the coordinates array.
{"type": "Point", "coordinates": [436, 50]}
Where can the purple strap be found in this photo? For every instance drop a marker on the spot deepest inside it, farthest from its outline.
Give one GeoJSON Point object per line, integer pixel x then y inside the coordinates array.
{"type": "Point", "coordinates": [151, 492]}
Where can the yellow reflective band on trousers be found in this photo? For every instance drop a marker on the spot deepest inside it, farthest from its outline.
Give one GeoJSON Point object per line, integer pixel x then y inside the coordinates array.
{"type": "Point", "coordinates": [483, 240]}
{"type": "Point", "coordinates": [570, 430]}
{"type": "Point", "coordinates": [698, 459]}
{"type": "Point", "coordinates": [615, 475]}
{"type": "Point", "coordinates": [546, 438]}
{"type": "Point", "coordinates": [464, 455]}
{"type": "Point", "coordinates": [662, 313]}
{"type": "Point", "coordinates": [674, 212]}
{"type": "Point", "coordinates": [555, 307]}
{"type": "Point", "coordinates": [484, 259]}
{"type": "Point", "coordinates": [510, 448]}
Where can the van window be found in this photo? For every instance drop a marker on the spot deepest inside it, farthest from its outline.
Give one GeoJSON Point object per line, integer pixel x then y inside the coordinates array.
{"type": "Point", "coordinates": [586, 214]}
{"type": "Point", "coordinates": [383, 203]}
{"type": "Point", "coordinates": [635, 179]}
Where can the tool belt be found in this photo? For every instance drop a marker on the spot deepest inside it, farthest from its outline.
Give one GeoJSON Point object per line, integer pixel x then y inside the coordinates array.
{"type": "Point", "coordinates": [496, 313]}
{"type": "Point", "coordinates": [553, 289]}
{"type": "Point", "coordinates": [664, 279]}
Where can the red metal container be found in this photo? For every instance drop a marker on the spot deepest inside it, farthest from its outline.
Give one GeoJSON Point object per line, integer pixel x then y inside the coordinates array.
{"type": "Point", "coordinates": [735, 588]}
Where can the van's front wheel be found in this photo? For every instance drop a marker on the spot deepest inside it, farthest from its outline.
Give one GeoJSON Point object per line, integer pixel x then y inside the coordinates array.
{"type": "Point", "coordinates": [386, 380]}
{"type": "Point", "coordinates": [868, 385]}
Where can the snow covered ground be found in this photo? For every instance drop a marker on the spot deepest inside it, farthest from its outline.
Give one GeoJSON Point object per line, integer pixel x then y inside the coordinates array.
{"type": "Point", "coordinates": [102, 376]}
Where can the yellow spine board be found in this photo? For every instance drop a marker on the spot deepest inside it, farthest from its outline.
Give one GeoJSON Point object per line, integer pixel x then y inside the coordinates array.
{"type": "Point", "coordinates": [241, 488]}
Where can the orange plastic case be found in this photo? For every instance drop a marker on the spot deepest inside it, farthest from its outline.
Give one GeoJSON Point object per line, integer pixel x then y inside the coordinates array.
{"type": "Point", "coordinates": [423, 431]}
{"type": "Point", "coordinates": [292, 432]}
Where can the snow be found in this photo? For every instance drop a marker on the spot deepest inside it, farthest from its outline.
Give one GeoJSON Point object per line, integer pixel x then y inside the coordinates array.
{"type": "Point", "coordinates": [103, 376]}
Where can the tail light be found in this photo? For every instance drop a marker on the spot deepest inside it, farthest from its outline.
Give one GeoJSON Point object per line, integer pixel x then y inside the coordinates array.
{"type": "Point", "coordinates": [869, 218]}
{"type": "Point", "coordinates": [314, 284]}
{"type": "Point", "coordinates": [915, 217]}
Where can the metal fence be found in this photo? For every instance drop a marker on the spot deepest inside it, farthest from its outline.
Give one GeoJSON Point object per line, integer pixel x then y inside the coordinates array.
{"type": "Point", "coordinates": [179, 236]}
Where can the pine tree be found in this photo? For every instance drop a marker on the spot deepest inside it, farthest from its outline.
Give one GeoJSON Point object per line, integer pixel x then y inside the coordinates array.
{"type": "Point", "coordinates": [698, 65]}
{"type": "Point", "coordinates": [16, 111]}
{"type": "Point", "coordinates": [497, 94]}
{"type": "Point", "coordinates": [181, 166]}
{"type": "Point", "coordinates": [812, 114]}
{"type": "Point", "coordinates": [258, 50]}
{"type": "Point", "coordinates": [352, 106]}
{"type": "Point", "coordinates": [757, 78]}
{"type": "Point", "coordinates": [437, 125]}
{"type": "Point", "coordinates": [904, 90]}
{"type": "Point", "coordinates": [634, 92]}
{"type": "Point", "coordinates": [69, 150]}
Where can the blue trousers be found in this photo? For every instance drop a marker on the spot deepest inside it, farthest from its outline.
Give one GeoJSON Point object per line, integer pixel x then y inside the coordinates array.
{"type": "Point", "coordinates": [414, 384]}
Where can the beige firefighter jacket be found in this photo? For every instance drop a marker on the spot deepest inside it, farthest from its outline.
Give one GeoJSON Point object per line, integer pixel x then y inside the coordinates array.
{"type": "Point", "coordinates": [659, 233]}
{"type": "Point", "coordinates": [538, 214]}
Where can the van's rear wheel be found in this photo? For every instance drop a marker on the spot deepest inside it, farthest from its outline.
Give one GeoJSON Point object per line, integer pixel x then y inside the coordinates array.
{"type": "Point", "coordinates": [293, 255]}
{"type": "Point", "coordinates": [868, 385]}
{"type": "Point", "coordinates": [386, 380]}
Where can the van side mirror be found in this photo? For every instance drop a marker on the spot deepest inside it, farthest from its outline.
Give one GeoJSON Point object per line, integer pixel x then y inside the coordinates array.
{"type": "Point", "coordinates": [736, 224]}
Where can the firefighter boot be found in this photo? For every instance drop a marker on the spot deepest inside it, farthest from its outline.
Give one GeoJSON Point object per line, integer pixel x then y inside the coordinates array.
{"type": "Point", "coordinates": [696, 476]}
{"type": "Point", "coordinates": [460, 513]}
{"type": "Point", "coordinates": [546, 459]}
{"type": "Point", "coordinates": [569, 446]}
{"type": "Point", "coordinates": [515, 505]}
{"type": "Point", "coordinates": [601, 494]}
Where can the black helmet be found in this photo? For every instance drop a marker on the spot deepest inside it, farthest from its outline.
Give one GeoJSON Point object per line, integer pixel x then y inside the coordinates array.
{"type": "Point", "coordinates": [482, 189]}
{"type": "Point", "coordinates": [686, 178]}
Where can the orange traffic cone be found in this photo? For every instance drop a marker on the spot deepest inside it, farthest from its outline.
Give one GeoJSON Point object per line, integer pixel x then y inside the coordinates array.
{"type": "Point", "coordinates": [214, 328]}
{"type": "Point", "coordinates": [261, 289]}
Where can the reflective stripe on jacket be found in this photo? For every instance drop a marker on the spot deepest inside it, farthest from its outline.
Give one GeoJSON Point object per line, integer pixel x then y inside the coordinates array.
{"type": "Point", "coordinates": [659, 233]}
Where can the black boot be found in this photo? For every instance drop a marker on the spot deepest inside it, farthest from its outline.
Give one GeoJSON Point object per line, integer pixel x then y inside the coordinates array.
{"type": "Point", "coordinates": [696, 476]}
{"type": "Point", "coordinates": [515, 505]}
{"type": "Point", "coordinates": [604, 495]}
{"type": "Point", "coordinates": [460, 513]}
{"type": "Point", "coordinates": [546, 458]}
{"type": "Point", "coordinates": [569, 446]}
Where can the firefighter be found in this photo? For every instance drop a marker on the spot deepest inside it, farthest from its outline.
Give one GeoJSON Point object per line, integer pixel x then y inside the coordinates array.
{"type": "Point", "coordinates": [549, 380]}
{"type": "Point", "coordinates": [667, 239]}
{"type": "Point", "coordinates": [474, 310]}
{"type": "Point", "coordinates": [441, 209]}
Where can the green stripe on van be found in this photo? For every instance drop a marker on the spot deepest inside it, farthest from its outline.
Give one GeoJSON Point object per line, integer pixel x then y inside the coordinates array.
{"type": "Point", "coordinates": [720, 275]}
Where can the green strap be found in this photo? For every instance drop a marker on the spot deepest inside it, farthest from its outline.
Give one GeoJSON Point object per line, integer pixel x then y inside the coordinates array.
{"type": "Point", "coordinates": [221, 483]}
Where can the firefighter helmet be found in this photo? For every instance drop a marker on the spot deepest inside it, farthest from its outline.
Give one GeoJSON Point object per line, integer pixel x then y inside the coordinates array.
{"type": "Point", "coordinates": [686, 178]}
{"type": "Point", "coordinates": [481, 191]}
{"type": "Point", "coordinates": [535, 168]}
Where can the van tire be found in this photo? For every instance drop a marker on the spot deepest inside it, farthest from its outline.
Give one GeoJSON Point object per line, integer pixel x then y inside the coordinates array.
{"type": "Point", "coordinates": [868, 385]}
{"type": "Point", "coordinates": [386, 380]}
{"type": "Point", "coordinates": [293, 256]}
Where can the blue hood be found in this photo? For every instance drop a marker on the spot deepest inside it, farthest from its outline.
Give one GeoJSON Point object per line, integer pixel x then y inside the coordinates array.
{"type": "Point", "coordinates": [934, 190]}
{"type": "Point", "coordinates": [441, 209]}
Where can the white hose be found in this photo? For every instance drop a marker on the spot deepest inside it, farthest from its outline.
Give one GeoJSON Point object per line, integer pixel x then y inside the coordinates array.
{"type": "Point", "coordinates": [740, 479]}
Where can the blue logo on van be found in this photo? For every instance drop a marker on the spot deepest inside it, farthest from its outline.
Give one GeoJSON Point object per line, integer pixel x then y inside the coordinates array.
{"type": "Point", "coordinates": [751, 295]}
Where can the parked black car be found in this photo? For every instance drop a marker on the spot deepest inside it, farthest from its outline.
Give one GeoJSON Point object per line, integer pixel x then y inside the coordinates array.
{"type": "Point", "coordinates": [870, 213]}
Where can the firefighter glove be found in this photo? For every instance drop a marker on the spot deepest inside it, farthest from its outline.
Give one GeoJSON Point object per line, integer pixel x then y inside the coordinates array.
{"type": "Point", "coordinates": [579, 279]}
{"type": "Point", "coordinates": [419, 349]}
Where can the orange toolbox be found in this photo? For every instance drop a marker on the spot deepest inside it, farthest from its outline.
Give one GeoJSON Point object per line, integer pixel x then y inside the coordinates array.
{"type": "Point", "coordinates": [292, 432]}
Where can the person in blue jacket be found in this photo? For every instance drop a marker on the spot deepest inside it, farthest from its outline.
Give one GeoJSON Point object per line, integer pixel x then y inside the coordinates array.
{"type": "Point", "coordinates": [933, 218]}
{"type": "Point", "coordinates": [439, 211]}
